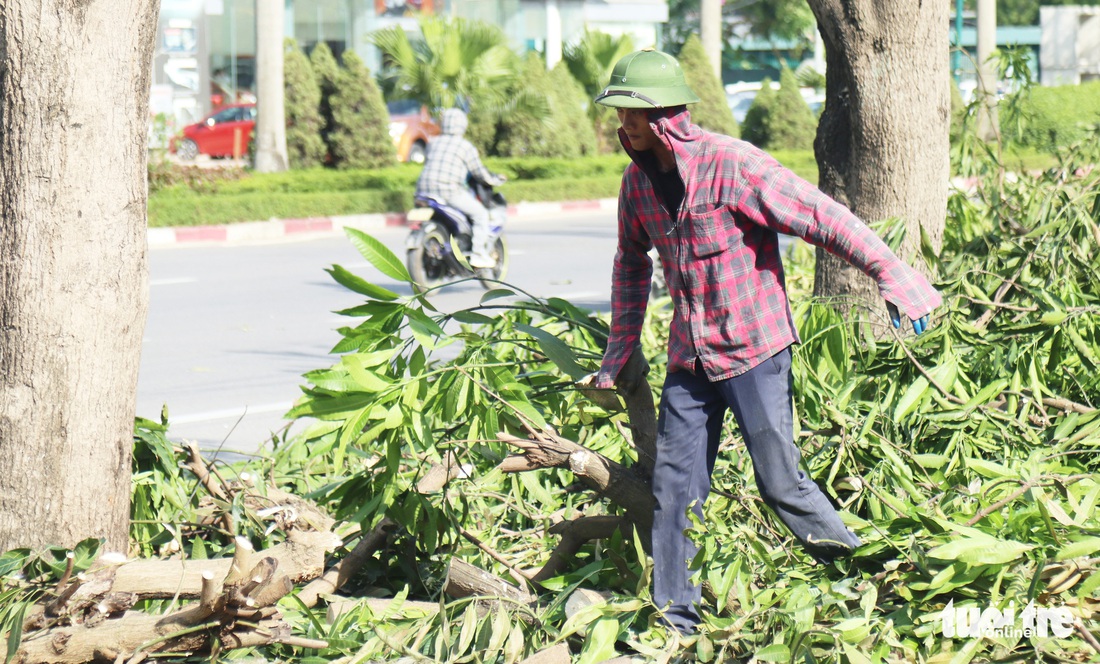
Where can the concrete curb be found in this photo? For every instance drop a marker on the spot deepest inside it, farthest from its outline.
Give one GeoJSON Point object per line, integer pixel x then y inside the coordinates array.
{"type": "Point", "coordinates": [282, 229]}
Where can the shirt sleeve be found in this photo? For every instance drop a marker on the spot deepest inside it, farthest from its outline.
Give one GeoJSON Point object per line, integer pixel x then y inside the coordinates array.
{"type": "Point", "coordinates": [478, 169]}
{"type": "Point", "coordinates": [780, 200]}
{"type": "Point", "coordinates": [630, 284]}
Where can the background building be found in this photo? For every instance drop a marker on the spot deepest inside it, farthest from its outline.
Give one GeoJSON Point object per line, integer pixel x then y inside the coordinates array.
{"type": "Point", "coordinates": [205, 52]}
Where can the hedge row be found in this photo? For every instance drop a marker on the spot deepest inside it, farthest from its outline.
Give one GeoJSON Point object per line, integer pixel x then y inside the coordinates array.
{"type": "Point", "coordinates": [1055, 116]}
{"type": "Point", "coordinates": [237, 197]}
{"type": "Point", "coordinates": [196, 209]}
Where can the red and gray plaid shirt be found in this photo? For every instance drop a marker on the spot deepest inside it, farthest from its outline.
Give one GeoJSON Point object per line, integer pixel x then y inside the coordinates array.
{"type": "Point", "coordinates": [720, 253]}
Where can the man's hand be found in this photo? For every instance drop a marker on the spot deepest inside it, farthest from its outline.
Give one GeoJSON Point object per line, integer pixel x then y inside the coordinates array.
{"type": "Point", "coordinates": [602, 395]}
{"type": "Point", "coordinates": [919, 324]}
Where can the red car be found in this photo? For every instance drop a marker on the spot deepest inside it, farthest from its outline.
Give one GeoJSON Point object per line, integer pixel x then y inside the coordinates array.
{"type": "Point", "coordinates": [225, 133]}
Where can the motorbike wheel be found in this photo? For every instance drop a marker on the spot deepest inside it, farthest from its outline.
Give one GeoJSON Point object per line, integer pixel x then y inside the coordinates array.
{"type": "Point", "coordinates": [499, 253]}
{"type": "Point", "coordinates": [427, 261]}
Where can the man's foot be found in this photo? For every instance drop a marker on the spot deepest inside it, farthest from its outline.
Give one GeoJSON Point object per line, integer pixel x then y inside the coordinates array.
{"type": "Point", "coordinates": [825, 551]}
{"type": "Point", "coordinates": [481, 261]}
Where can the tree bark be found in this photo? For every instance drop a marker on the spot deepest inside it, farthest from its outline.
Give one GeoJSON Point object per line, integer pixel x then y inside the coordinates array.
{"type": "Point", "coordinates": [882, 144]}
{"type": "Point", "coordinates": [74, 113]}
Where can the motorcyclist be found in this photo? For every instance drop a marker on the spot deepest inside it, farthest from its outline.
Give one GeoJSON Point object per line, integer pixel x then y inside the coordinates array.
{"type": "Point", "coordinates": [451, 158]}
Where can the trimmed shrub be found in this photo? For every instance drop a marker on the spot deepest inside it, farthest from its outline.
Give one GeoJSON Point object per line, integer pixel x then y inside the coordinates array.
{"type": "Point", "coordinates": [712, 112]}
{"type": "Point", "coordinates": [527, 133]}
{"type": "Point", "coordinates": [192, 196]}
{"type": "Point", "coordinates": [360, 135]}
{"type": "Point", "coordinates": [483, 129]}
{"type": "Point", "coordinates": [1055, 117]}
{"type": "Point", "coordinates": [756, 128]}
{"type": "Point", "coordinates": [327, 73]}
{"type": "Point", "coordinates": [572, 107]}
{"type": "Point", "coordinates": [304, 146]}
{"type": "Point", "coordinates": [792, 125]}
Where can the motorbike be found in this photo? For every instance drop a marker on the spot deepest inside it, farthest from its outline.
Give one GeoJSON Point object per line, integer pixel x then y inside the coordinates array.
{"type": "Point", "coordinates": [437, 229]}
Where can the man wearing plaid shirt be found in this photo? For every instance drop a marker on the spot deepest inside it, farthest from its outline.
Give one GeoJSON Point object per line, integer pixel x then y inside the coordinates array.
{"type": "Point", "coordinates": [713, 207]}
{"type": "Point", "coordinates": [451, 158]}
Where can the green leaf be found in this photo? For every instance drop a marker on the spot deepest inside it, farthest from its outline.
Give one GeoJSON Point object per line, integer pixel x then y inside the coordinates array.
{"type": "Point", "coordinates": [1053, 318]}
{"type": "Point", "coordinates": [472, 318]}
{"type": "Point", "coordinates": [378, 254]}
{"type": "Point", "coordinates": [992, 389]}
{"type": "Point", "coordinates": [468, 630]}
{"type": "Point", "coordinates": [776, 652]}
{"type": "Point", "coordinates": [1082, 547]}
{"type": "Point", "coordinates": [360, 285]}
{"type": "Point", "coordinates": [852, 652]}
{"type": "Point", "coordinates": [496, 294]}
{"type": "Point", "coordinates": [557, 350]}
{"type": "Point", "coordinates": [980, 550]}
{"type": "Point", "coordinates": [528, 412]}
{"type": "Point", "coordinates": [15, 635]}
{"type": "Point", "coordinates": [599, 643]}
{"type": "Point", "coordinates": [933, 461]}
{"type": "Point", "coordinates": [535, 489]}
{"type": "Point", "coordinates": [988, 469]}
{"type": "Point", "coordinates": [911, 398]}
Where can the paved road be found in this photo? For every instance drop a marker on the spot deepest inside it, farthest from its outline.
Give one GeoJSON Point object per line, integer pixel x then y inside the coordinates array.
{"type": "Point", "coordinates": [232, 328]}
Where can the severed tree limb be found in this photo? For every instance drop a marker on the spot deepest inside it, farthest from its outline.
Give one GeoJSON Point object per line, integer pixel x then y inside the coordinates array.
{"type": "Point", "coordinates": [440, 474]}
{"type": "Point", "coordinates": [1067, 406]}
{"type": "Point", "coordinates": [301, 557]}
{"type": "Point", "coordinates": [466, 580]}
{"type": "Point", "coordinates": [518, 575]}
{"type": "Point", "coordinates": [573, 535]}
{"type": "Point", "coordinates": [337, 575]}
{"type": "Point", "coordinates": [634, 389]}
{"type": "Point", "coordinates": [610, 479]}
{"type": "Point", "coordinates": [1085, 634]}
{"type": "Point", "coordinates": [198, 467]}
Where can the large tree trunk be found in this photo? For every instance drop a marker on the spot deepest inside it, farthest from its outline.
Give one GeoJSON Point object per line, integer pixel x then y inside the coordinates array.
{"type": "Point", "coordinates": [882, 144]}
{"type": "Point", "coordinates": [74, 98]}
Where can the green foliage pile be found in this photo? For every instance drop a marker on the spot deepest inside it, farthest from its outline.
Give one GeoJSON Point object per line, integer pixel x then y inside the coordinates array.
{"type": "Point", "coordinates": [756, 128]}
{"type": "Point", "coordinates": [360, 135]}
{"type": "Point", "coordinates": [305, 148]}
{"type": "Point", "coordinates": [1054, 116]}
{"type": "Point", "coordinates": [792, 125]}
{"type": "Point", "coordinates": [965, 458]}
{"type": "Point", "coordinates": [712, 112]}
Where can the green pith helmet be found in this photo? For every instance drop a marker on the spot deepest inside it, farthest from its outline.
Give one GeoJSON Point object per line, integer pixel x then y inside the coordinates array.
{"type": "Point", "coordinates": [647, 79]}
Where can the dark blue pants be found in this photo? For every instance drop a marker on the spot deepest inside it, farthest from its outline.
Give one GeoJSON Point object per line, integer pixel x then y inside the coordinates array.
{"type": "Point", "coordinates": [689, 430]}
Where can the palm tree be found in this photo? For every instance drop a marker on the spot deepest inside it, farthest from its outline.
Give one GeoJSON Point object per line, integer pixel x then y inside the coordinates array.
{"type": "Point", "coordinates": [461, 63]}
{"type": "Point", "coordinates": [456, 62]}
{"type": "Point", "coordinates": [590, 61]}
